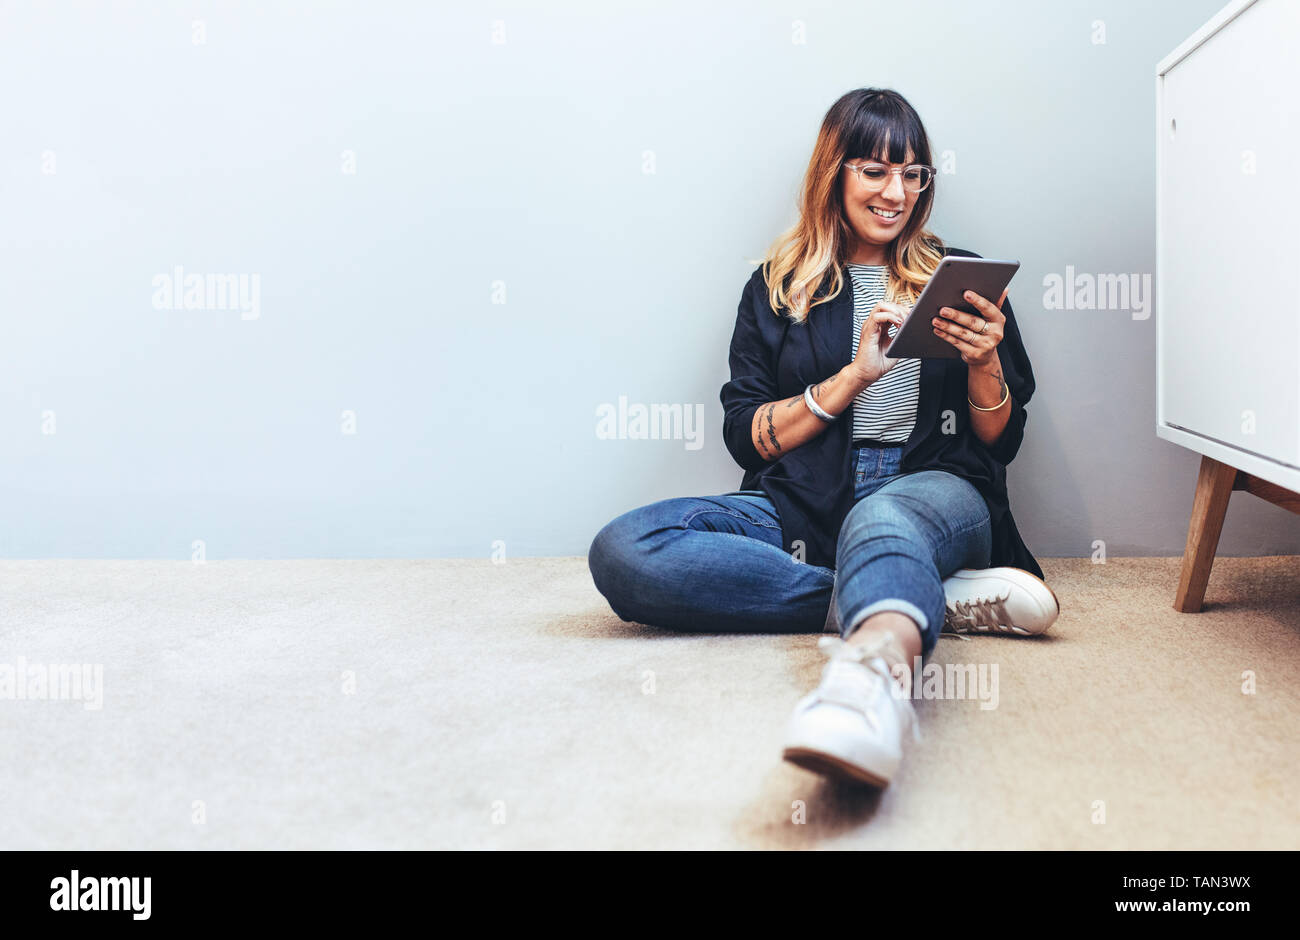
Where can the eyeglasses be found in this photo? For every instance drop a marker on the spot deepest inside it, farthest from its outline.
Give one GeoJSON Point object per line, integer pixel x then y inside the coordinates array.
{"type": "Point", "coordinates": [874, 176]}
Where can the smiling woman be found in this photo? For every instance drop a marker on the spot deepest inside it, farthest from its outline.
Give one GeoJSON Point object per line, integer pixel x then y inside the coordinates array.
{"type": "Point", "coordinates": [884, 523]}
{"type": "Point", "coordinates": [872, 155]}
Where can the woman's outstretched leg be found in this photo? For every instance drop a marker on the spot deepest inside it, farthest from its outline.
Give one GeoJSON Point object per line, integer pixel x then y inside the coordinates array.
{"type": "Point", "coordinates": [895, 548]}
{"type": "Point", "coordinates": [708, 563]}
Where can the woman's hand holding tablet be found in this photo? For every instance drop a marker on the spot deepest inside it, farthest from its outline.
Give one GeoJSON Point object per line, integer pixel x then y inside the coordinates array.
{"type": "Point", "coordinates": [918, 338]}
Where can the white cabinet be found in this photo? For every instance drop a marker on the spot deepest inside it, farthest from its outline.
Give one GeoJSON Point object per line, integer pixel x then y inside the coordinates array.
{"type": "Point", "coordinates": [1228, 265]}
{"type": "Point", "coordinates": [1228, 240]}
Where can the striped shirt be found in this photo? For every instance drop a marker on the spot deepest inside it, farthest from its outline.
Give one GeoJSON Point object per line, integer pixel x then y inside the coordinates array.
{"type": "Point", "coordinates": [886, 409]}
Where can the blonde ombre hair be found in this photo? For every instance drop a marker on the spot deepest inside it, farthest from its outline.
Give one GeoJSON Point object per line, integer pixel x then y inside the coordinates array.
{"type": "Point", "coordinates": [870, 123]}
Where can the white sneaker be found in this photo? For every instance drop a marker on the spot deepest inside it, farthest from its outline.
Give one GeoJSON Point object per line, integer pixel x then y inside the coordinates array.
{"type": "Point", "coordinates": [852, 724]}
{"type": "Point", "coordinates": [998, 600]}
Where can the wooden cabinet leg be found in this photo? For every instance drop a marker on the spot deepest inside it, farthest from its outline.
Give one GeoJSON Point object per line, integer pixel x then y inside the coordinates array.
{"type": "Point", "coordinates": [1213, 488]}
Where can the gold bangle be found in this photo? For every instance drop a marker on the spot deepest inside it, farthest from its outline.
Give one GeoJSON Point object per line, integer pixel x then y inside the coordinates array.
{"type": "Point", "coordinates": [995, 407]}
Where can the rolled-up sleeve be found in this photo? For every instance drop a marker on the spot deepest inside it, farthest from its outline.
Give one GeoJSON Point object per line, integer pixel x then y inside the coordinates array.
{"type": "Point", "coordinates": [752, 381]}
{"type": "Point", "coordinates": [1019, 376]}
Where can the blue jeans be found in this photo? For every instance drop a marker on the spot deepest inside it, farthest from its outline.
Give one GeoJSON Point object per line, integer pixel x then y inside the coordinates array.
{"type": "Point", "coordinates": [717, 563]}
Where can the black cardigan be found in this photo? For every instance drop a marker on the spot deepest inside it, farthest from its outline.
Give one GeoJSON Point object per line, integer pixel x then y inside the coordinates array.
{"type": "Point", "coordinates": [773, 358]}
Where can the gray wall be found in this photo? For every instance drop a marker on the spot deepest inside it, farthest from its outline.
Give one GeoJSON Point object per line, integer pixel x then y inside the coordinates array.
{"type": "Point", "coordinates": [470, 225]}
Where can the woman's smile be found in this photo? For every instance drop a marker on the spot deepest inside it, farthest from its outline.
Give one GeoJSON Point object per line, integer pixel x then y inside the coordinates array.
{"type": "Point", "coordinates": [886, 216]}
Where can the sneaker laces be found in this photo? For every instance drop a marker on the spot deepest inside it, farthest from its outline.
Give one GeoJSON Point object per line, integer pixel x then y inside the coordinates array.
{"type": "Point", "coordinates": [990, 612]}
{"type": "Point", "coordinates": [846, 688]}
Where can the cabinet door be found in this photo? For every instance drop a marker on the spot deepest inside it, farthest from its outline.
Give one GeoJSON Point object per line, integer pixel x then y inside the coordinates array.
{"type": "Point", "coordinates": [1229, 303]}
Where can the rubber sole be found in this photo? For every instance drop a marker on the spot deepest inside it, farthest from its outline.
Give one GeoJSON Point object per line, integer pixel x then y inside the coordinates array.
{"type": "Point", "coordinates": [828, 765]}
{"type": "Point", "coordinates": [1054, 597]}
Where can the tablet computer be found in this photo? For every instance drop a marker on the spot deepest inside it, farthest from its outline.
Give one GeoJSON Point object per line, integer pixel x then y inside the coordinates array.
{"type": "Point", "coordinates": [954, 276]}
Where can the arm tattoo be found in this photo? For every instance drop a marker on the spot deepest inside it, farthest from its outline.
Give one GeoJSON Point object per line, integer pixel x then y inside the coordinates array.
{"type": "Point", "coordinates": [760, 443]}
{"type": "Point", "coordinates": [764, 415]}
{"type": "Point", "coordinates": [765, 411]}
{"type": "Point", "coordinates": [1002, 385]}
{"type": "Point", "coordinates": [771, 428]}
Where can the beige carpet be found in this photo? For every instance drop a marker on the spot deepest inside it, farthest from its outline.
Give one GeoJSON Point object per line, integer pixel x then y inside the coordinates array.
{"type": "Point", "coordinates": [463, 704]}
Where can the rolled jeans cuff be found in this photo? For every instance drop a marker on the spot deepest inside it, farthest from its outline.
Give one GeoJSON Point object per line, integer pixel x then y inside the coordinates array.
{"type": "Point", "coordinates": [887, 603]}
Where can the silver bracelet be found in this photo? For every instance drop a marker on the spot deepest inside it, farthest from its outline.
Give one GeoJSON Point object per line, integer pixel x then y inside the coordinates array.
{"type": "Point", "coordinates": [814, 407]}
